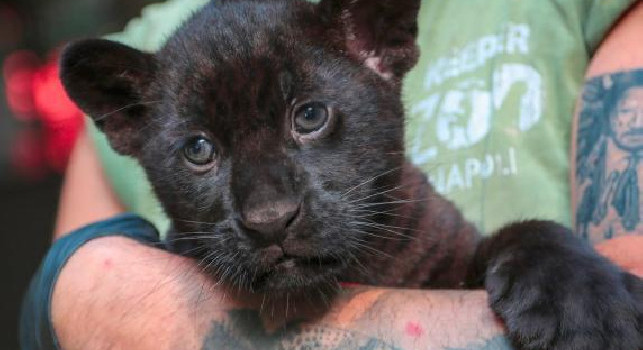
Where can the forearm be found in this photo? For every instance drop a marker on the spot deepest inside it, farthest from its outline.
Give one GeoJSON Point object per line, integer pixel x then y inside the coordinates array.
{"type": "Point", "coordinates": [371, 318]}
{"type": "Point", "coordinates": [168, 303]}
{"type": "Point", "coordinates": [86, 195]}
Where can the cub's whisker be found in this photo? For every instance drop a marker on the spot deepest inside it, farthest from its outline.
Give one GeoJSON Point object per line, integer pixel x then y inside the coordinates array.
{"type": "Point", "coordinates": [388, 188]}
{"type": "Point", "coordinates": [403, 201]}
{"type": "Point", "coordinates": [108, 114]}
{"type": "Point", "coordinates": [197, 222]}
{"type": "Point", "coordinates": [370, 180]}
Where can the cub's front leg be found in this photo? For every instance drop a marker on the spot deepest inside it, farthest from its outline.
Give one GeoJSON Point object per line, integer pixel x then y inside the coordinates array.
{"type": "Point", "coordinates": [554, 291]}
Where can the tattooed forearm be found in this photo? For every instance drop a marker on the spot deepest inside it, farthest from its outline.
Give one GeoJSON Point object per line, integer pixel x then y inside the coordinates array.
{"type": "Point", "coordinates": [244, 331]}
{"type": "Point", "coordinates": [369, 320]}
{"type": "Point", "coordinates": [365, 319]}
{"type": "Point", "coordinates": [608, 152]}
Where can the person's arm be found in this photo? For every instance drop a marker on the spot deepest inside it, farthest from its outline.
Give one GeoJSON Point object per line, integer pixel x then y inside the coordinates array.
{"type": "Point", "coordinates": [117, 294]}
{"type": "Point", "coordinates": [607, 167]}
{"type": "Point", "coordinates": [86, 194]}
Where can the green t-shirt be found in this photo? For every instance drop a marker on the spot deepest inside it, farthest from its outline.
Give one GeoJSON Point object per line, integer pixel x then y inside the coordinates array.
{"type": "Point", "coordinates": [489, 105]}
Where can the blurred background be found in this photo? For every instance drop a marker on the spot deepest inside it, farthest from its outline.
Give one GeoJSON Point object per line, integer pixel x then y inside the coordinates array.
{"type": "Point", "coordinates": [38, 126]}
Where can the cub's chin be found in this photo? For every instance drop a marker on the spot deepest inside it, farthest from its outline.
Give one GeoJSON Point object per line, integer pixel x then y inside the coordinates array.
{"type": "Point", "coordinates": [294, 266]}
{"type": "Point", "coordinates": [299, 275]}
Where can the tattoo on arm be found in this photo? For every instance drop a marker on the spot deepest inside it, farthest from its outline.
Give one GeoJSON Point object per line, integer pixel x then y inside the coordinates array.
{"type": "Point", "coordinates": [243, 330]}
{"type": "Point", "coordinates": [609, 157]}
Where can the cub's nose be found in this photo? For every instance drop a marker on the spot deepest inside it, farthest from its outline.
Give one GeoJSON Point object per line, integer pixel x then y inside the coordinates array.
{"type": "Point", "coordinates": [267, 221]}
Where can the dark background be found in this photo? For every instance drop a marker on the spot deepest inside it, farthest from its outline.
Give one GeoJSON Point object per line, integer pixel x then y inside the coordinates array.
{"type": "Point", "coordinates": [37, 128]}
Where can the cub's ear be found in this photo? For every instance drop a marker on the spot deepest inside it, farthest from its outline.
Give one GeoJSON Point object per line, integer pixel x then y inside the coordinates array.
{"type": "Point", "coordinates": [107, 81]}
{"type": "Point", "coordinates": [381, 34]}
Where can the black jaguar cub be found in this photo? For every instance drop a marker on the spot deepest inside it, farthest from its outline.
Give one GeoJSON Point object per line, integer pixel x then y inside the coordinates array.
{"type": "Point", "coordinates": [272, 133]}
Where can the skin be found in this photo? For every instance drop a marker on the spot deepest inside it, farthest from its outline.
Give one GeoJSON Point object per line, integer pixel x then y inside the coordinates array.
{"type": "Point", "coordinates": [171, 303]}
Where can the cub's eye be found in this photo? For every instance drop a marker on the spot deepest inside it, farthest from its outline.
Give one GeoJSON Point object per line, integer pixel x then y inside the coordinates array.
{"type": "Point", "coordinates": [199, 151]}
{"type": "Point", "coordinates": [310, 117]}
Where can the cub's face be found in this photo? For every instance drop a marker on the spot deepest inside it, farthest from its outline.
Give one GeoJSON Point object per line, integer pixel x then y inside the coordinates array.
{"type": "Point", "coordinates": [267, 129]}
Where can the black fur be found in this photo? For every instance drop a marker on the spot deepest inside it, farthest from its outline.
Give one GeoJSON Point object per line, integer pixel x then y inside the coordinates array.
{"type": "Point", "coordinates": [555, 292]}
{"type": "Point", "coordinates": [278, 212]}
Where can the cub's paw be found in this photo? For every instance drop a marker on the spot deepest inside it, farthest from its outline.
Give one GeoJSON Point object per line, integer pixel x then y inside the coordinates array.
{"type": "Point", "coordinates": [554, 292]}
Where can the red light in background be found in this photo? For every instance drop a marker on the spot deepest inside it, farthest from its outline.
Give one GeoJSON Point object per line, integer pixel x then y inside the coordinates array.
{"type": "Point", "coordinates": [18, 70]}
{"type": "Point", "coordinates": [61, 118]}
{"type": "Point", "coordinates": [34, 92]}
{"type": "Point", "coordinates": [49, 97]}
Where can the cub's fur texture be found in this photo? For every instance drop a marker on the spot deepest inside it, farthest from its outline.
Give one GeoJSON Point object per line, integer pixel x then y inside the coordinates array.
{"type": "Point", "coordinates": [272, 133]}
